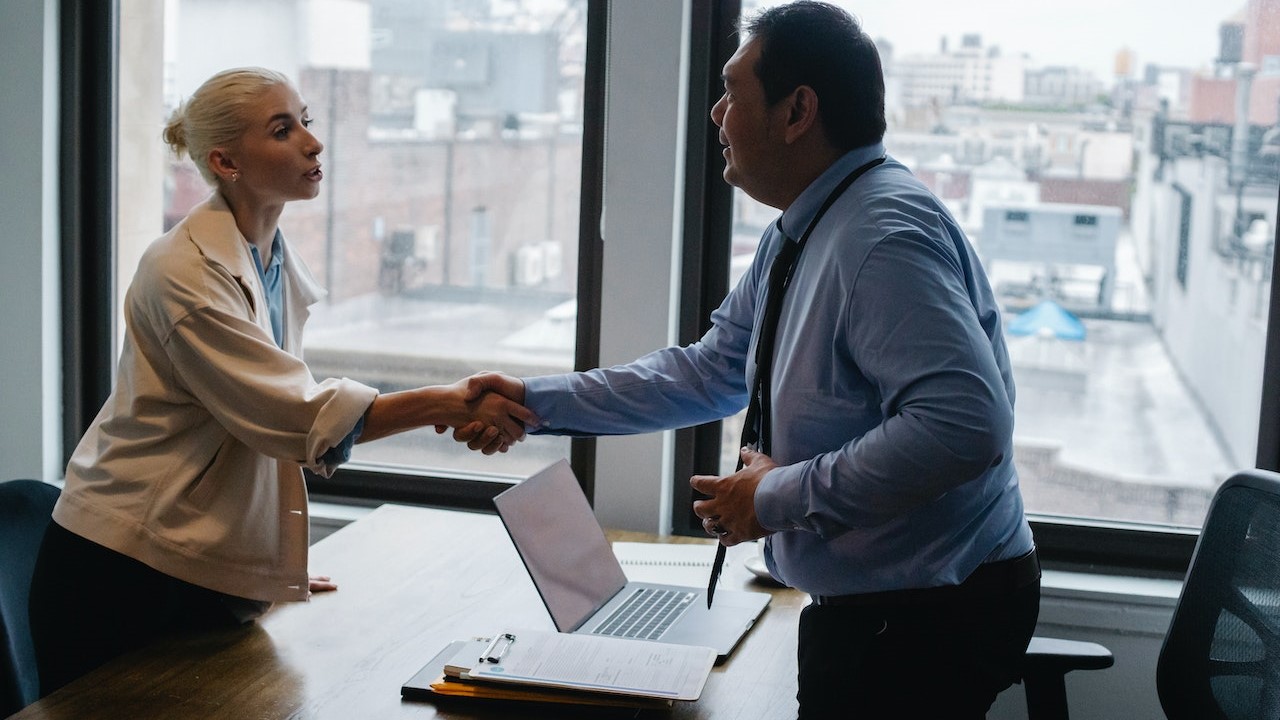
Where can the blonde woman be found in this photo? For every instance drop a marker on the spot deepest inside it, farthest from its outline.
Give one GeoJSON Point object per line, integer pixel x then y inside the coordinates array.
{"type": "Point", "coordinates": [184, 506]}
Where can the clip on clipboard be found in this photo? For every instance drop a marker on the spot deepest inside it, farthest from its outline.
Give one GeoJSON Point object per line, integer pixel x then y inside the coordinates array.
{"type": "Point", "coordinates": [489, 655]}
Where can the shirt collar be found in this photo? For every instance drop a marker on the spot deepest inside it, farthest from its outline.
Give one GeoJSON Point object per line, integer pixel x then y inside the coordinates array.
{"type": "Point", "coordinates": [797, 217]}
{"type": "Point", "coordinates": [277, 258]}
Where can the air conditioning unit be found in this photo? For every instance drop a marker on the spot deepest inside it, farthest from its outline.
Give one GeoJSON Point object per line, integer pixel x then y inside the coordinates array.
{"type": "Point", "coordinates": [552, 259]}
{"type": "Point", "coordinates": [529, 266]}
{"type": "Point", "coordinates": [428, 241]}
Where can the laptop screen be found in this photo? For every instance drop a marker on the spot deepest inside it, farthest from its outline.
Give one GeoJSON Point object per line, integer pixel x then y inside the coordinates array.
{"type": "Point", "coordinates": [562, 545]}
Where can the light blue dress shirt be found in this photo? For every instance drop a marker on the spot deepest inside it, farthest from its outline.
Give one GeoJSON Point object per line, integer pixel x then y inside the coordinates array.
{"type": "Point", "coordinates": [273, 288]}
{"type": "Point", "coordinates": [892, 393]}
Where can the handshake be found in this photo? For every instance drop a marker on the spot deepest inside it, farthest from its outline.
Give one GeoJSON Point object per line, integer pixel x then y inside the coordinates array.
{"type": "Point", "coordinates": [495, 403]}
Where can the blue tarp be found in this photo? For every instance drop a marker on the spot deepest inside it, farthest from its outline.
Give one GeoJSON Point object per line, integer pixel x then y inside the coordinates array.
{"type": "Point", "coordinates": [1048, 318]}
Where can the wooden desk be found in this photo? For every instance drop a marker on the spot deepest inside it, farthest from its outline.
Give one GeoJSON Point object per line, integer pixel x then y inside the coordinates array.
{"type": "Point", "coordinates": [411, 580]}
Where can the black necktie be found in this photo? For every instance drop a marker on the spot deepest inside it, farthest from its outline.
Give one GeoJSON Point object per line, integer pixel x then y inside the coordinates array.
{"type": "Point", "coordinates": [756, 427]}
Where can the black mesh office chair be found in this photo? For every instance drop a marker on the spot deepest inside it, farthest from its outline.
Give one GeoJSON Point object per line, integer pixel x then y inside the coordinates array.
{"type": "Point", "coordinates": [25, 507]}
{"type": "Point", "coordinates": [1221, 656]}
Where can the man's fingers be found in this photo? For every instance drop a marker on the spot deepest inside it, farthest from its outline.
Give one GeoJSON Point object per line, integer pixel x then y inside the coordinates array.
{"type": "Point", "coordinates": [468, 432]}
{"type": "Point", "coordinates": [524, 415]}
{"type": "Point", "coordinates": [507, 386]}
{"type": "Point", "coordinates": [476, 386]}
{"type": "Point", "coordinates": [484, 439]}
{"type": "Point", "coordinates": [511, 428]}
{"type": "Point", "coordinates": [705, 484]}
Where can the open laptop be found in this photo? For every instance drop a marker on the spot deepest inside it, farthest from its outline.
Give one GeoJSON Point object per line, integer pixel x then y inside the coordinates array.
{"type": "Point", "coordinates": [582, 583]}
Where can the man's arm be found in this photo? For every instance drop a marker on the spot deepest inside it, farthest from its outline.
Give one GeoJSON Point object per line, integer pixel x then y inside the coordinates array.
{"type": "Point", "coordinates": [669, 388]}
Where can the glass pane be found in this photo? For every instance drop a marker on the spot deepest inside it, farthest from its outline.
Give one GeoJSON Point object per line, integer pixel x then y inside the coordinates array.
{"type": "Point", "coordinates": [1122, 195]}
{"type": "Point", "coordinates": [446, 229]}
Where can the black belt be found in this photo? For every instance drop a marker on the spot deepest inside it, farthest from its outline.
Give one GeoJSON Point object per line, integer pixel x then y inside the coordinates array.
{"type": "Point", "coordinates": [989, 580]}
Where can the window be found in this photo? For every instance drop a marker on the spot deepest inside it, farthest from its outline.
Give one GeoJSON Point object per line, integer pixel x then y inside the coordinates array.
{"type": "Point", "coordinates": [446, 230]}
{"type": "Point", "coordinates": [1135, 425]}
{"type": "Point", "coordinates": [1184, 235]}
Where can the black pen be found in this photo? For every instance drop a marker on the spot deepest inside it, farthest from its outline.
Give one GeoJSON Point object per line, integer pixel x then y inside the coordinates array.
{"type": "Point", "coordinates": [715, 572]}
{"type": "Point", "coordinates": [718, 564]}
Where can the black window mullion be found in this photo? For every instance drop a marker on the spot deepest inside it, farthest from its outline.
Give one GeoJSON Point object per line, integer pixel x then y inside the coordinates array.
{"type": "Point", "coordinates": [1269, 423]}
{"type": "Point", "coordinates": [707, 233]}
{"type": "Point", "coordinates": [582, 451]}
{"type": "Point", "coordinates": [88, 48]}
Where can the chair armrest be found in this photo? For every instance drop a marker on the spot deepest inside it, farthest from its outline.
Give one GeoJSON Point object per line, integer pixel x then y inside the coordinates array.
{"type": "Point", "coordinates": [1045, 666]}
{"type": "Point", "coordinates": [1055, 656]}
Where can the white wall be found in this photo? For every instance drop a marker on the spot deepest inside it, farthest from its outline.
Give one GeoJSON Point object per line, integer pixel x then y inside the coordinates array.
{"type": "Point", "coordinates": [140, 201]}
{"type": "Point", "coordinates": [1215, 327]}
{"type": "Point", "coordinates": [275, 37]}
{"type": "Point", "coordinates": [30, 393]}
{"type": "Point", "coordinates": [1129, 616]}
{"type": "Point", "coordinates": [644, 139]}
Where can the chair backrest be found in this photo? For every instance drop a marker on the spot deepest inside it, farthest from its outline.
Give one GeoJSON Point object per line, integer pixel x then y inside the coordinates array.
{"type": "Point", "coordinates": [25, 507]}
{"type": "Point", "coordinates": [1221, 656]}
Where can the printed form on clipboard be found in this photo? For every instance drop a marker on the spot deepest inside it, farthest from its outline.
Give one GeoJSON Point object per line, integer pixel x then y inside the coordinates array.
{"type": "Point", "coordinates": [591, 663]}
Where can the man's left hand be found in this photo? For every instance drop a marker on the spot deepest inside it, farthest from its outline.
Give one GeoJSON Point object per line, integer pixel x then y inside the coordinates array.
{"type": "Point", "coordinates": [729, 512]}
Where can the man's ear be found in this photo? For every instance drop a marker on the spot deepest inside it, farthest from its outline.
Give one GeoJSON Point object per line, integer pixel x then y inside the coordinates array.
{"type": "Point", "coordinates": [802, 113]}
{"type": "Point", "coordinates": [221, 163]}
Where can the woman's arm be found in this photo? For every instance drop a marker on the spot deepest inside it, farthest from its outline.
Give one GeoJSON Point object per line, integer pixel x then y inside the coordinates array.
{"type": "Point", "coordinates": [448, 405]}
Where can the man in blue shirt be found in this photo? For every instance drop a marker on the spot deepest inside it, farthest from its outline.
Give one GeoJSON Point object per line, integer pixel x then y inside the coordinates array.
{"type": "Point", "coordinates": [888, 490]}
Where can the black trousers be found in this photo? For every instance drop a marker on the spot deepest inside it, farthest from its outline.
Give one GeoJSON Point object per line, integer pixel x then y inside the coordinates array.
{"type": "Point", "coordinates": [90, 604]}
{"type": "Point", "coordinates": [935, 656]}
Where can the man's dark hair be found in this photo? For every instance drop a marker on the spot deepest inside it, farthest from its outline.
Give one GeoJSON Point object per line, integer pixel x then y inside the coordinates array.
{"type": "Point", "coordinates": [820, 45]}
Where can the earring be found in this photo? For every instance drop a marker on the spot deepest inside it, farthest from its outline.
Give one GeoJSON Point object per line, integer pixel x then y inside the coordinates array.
{"type": "Point", "coordinates": [235, 176]}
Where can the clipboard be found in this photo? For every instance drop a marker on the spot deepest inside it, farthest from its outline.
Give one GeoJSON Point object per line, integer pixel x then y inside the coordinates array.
{"type": "Point", "coordinates": [587, 663]}
{"type": "Point", "coordinates": [592, 665]}
{"type": "Point", "coordinates": [432, 684]}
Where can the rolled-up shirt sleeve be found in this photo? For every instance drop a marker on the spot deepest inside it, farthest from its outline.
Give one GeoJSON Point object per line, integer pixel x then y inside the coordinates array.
{"type": "Point", "coordinates": [261, 394]}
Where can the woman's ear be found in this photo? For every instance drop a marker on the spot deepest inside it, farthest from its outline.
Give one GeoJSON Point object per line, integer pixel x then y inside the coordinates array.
{"type": "Point", "coordinates": [222, 165]}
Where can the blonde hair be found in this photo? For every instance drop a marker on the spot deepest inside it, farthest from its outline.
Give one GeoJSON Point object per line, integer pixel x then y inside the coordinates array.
{"type": "Point", "coordinates": [217, 113]}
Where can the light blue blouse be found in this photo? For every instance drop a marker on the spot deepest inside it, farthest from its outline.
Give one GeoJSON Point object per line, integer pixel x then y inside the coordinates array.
{"type": "Point", "coordinates": [273, 288]}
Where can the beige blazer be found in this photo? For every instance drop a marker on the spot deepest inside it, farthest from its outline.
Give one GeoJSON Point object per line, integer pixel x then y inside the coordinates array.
{"type": "Point", "coordinates": [194, 464]}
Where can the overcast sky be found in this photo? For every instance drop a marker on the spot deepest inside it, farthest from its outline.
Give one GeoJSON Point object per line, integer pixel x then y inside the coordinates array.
{"type": "Point", "coordinates": [1087, 33]}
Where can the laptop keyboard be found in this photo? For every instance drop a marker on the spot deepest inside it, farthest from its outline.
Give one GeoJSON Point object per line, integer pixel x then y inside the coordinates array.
{"type": "Point", "coordinates": [646, 614]}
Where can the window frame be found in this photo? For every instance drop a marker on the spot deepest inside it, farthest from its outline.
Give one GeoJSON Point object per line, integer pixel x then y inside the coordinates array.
{"type": "Point", "coordinates": [476, 491]}
{"type": "Point", "coordinates": [89, 47]}
{"type": "Point", "coordinates": [1067, 543]}
{"type": "Point", "coordinates": [87, 148]}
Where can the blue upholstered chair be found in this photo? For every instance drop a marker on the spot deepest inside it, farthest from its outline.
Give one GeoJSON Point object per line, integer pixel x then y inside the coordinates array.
{"type": "Point", "coordinates": [25, 507]}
